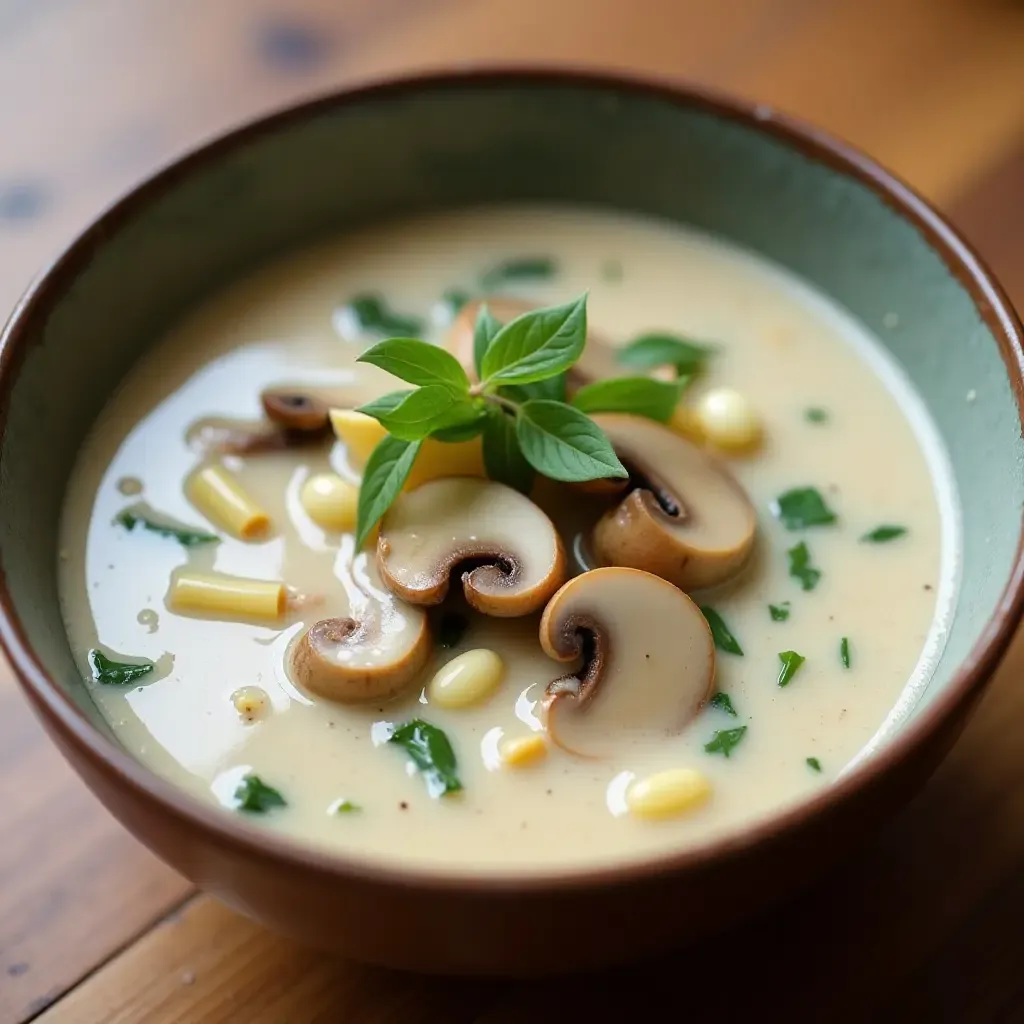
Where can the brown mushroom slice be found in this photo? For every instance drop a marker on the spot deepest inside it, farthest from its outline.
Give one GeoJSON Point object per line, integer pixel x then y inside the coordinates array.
{"type": "Point", "coordinates": [598, 359]}
{"type": "Point", "coordinates": [648, 661]}
{"type": "Point", "coordinates": [686, 519]}
{"type": "Point", "coordinates": [512, 554]}
{"type": "Point", "coordinates": [375, 652]}
{"type": "Point", "coordinates": [303, 410]}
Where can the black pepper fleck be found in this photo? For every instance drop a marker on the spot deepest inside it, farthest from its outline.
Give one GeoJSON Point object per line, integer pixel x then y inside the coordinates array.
{"type": "Point", "coordinates": [927, 586]}
{"type": "Point", "coordinates": [404, 805]}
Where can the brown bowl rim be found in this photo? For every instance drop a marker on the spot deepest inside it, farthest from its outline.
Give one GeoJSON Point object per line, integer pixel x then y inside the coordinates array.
{"type": "Point", "coordinates": [237, 834]}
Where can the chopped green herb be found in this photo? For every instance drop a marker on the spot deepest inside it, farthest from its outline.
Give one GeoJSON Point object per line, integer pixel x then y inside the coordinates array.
{"type": "Point", "coordinates": [723, 703]}
{"type": "Point", "coordinates": [651, 350]}
{"type": "Point", "coordinates": [844, 651]}
{"type": "Point", "coordinates": [802, 507]}
{"type": "Point", "coordinates": [814, 763]}
{"type": "Point", "coordinates": [611, 271]}
{"type": "Point", "coordinates": [117, 673]}
{"type": "Point", "coordinates": [816, 415]}
{"type": "Point", "coordinates": [642, 396]}
{"type": "Point", "coordinates": [724, 640]}
{"type": "Point", "coordinates": [791, 662]}
{"type": "Point", "coordinates": [881, 534]}
{"type": "Point", "coordinates": [432, 753]}
{"type": "Point", "coordinates": [455, 299]}
{"type": "Point", "coordinates": [779, 612]}
{"type": "Point", "coordinates": [451, 629]}
{"type": "Point", "coordinates": [188, 536]}
{"type": "Point", "coordinates": [342, 806]}
{"type": "Point", "coordinates": [372, 314]}
{"type": "Point", "coordinates": [256, 797]}
{"type": "Point", "coordinates": [725, 740]}
{"type": "Point", "coordinates": [521, 268]}
{"type": "Point", "coordinates": [800, 566]}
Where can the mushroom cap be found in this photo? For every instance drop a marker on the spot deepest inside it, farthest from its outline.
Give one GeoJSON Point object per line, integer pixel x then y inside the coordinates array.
{"type": "Point", "coordinates": [373, 653]}
{"type": "Point", "coordinates": [686, 518]}
{"type": "Point", "coordinates": [516, 559]}
{"type": "Point", "coordinates": [598, 359]}
{"type": "Point", "coordinates": [648, 660]}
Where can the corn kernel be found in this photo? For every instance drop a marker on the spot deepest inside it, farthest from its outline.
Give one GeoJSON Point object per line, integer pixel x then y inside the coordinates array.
{"type": "Point", "coordinates": [520, 751]}
{"type": "Point", "coordinates": [727, 419]}
{"type": "Point", "coordinates": [330, 501]}
{"type": "Point", "coordinates": [251, 702]}
{"type": "Point", "coordinates": [468, 679]}
{"type": "Point", "coordinates": [666, 794]}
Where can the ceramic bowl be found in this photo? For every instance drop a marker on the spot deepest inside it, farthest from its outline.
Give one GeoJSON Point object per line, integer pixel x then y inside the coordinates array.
{"type": "Point", "coordinates": [742, 172]}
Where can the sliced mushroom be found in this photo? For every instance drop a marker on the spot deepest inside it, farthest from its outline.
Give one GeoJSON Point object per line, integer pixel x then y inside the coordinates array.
{"type": "Point", "coordinates": [300, 409]}
{"type": "Point", "coordinates": [374, 652]}
{"type": "Point", "coordinates": [511, 553]}
{"type": "Point", "coordinates": [598, 359]}
{"type": "Point", "coordinates": [647, 661]}
{"type": "Point", "coordinates": [686, 518]}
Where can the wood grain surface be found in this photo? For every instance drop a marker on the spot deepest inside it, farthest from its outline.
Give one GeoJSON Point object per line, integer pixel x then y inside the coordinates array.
{"type": "Point", "coordinates": [923, 921]}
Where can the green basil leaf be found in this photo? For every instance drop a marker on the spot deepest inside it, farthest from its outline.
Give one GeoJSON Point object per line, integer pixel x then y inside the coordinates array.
{"type": "Point", "coordinates": [420, 412]}
{"type": "Point", "coordinates": [725, 740]}
{"type": "Point", "coordinates": [553, 389]}
{"type": "Point", "coordinates": [418, 362]}
{"type": "Point", "coordinates": [791, 662]}
{"type": "Point", "coordinates": [724, 640]}
{"type": "Point", "coordinates": [642, 396]}
{"type": "Point", "coordinates": [537, 344]}
{"type": "Point", "coordinates": [723, 702]}
{"type": "Point", "coordinates": [802, 507]}
{"type": "Point", "coordinates": [117, 673]}
{"type": "Point", "coordinates": [814, 764]}
{"type": "Point", "coordinates": [779, 612]}
{"type": "Point", "coordinates": [882, 534]}
{"type": "Point", "coordinates": [466, 430]}
{"type": "Point", "coordinates": [564, 444]}
{"type": "Point", "coordinates": [385, 474]}
{"type": "Point", "coordinates": [520, 268]}
{"type": "Point", "coordinates": [651, 350]}
{"type": "Point", "coordinates": [816, 415]}
{"type": "Point", "coordinates": [800, 567]}
{"type": "Point", "coordinates": [372, 315]}
{"type": "Point", "coordinates": [484, 332]}
{"type": "Point", "coordinates": [385, 404]}
{"type": "Point", "coordinates": [503, 459]}
{"type": "Point", "coordinates": [844, 651]}
{"type": "Point", "coordinates": [343, 806]}
{"type": "Point", "coordinates": [432, 753]}
{"type": "Point", "coordinates": [187, 536]}
{"type": "Point", "coordinates": [256, 797]}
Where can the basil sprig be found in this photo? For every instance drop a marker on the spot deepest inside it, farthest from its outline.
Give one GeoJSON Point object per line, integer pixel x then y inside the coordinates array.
{"type": "Point", "coordinates": [518, 406]}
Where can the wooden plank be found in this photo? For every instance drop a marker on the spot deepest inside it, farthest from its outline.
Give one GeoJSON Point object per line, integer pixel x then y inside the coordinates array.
{"type": "Point", "coordinates": [210, 965]}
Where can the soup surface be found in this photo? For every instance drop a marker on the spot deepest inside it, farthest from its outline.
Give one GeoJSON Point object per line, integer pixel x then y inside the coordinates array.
{"type": "Point", "coordinates": [835, 416]}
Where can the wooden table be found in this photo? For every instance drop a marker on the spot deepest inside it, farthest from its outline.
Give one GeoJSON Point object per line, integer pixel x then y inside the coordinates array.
{"type": "Point", "coordinates": [922, 923]}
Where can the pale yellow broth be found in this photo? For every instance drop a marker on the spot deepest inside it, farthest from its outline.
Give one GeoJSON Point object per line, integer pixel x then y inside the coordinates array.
{"type": "Point", "coordinates": [785, 347]}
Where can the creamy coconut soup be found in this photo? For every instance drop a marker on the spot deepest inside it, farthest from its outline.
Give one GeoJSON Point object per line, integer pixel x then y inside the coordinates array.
{"type": "Point", "coordinates": [460, 692]}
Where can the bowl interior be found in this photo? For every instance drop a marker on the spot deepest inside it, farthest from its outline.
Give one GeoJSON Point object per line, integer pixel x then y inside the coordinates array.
{"type": "Point", "coordinates": [413, 148]}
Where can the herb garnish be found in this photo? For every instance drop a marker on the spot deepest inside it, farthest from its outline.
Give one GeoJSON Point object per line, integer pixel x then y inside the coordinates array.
{"type": "Point", "coordinates": [814, 763]}
{"type": "Point", "coordinates": [802, 507]}
{"type": "Point", "coordinates": [517, 407]}
{"type": "Point", "coordinates": [256, 797]}
{"type": "Point", "coordinates": [779, 612]}
{"type": "Point", "coordinates": [800, 566]}
{"type": "Point", "coordinates": [844, 651]}
{"type": "Point", "coordinates": [372, 314]}
{"type": "Point", "coordinates": [451, 629]}
{"type": "Point", "coordinates": [791, 662]}
{"type": "Point", "coordinates": [117, 673]}
{"type": "Point", "coordinates": [455, 299]}
{"type": "Point", "coordinates": [725, 740]}
{"type": "Point", "coordinates": [343, 806]}
{"type": "Point", "coordinates": [432, 753]}
{"type": "Point", "coordinates": [815, 415]}
{"type": "Point", "coordinates": [651, 350]}
{"type": "Point", "coordinates": [720, 632]}
{"type": "Point", "coordinates": [188, 536]}
{"type": "Point", "coordinates": [723, 703]}
{"type": "Point", "coordinates": [657, 398]}
{"type": "Point", "coordinates": [520, 268]}
{"type": "Point", "coordinates": [881, 534]}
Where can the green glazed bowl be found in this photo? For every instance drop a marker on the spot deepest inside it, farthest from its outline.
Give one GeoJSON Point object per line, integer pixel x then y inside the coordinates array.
{"type": "Point", "coordinates": [742, 172]}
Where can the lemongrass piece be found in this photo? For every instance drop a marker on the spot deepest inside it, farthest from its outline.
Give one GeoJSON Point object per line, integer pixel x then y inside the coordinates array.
{"type": "Point", "coordinates": [230, 596]}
